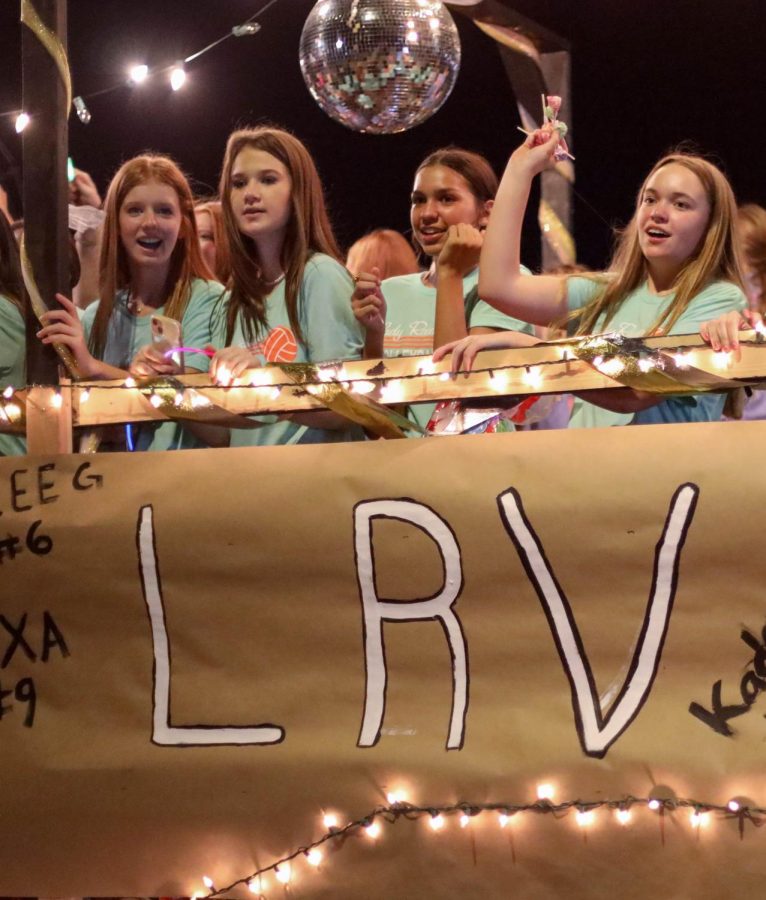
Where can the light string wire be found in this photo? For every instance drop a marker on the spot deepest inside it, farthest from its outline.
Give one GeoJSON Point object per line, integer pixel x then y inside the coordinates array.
{"type": "Point", "coordinates": [384, 378]}
{"type": "Point", "coordinates": [167, 68]}
{"type": "Point", "coordinates": [392, 813]}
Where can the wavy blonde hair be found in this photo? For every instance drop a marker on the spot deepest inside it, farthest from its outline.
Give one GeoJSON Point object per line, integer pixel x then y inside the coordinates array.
{"type": "Point", "coordinates": [186, 262]}
{"type": "Point", "coordinates": [718, 256]}
{"type": "Point", "coordinates": [308, 231]}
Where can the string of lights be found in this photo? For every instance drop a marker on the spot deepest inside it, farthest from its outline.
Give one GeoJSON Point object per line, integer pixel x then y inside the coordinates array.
{"type": "Point", "coordinates": [140, 72]}
{"type": "Point", "coordinates": [285, 870]}
{"type": "Point", "coordinates": [269, 382]}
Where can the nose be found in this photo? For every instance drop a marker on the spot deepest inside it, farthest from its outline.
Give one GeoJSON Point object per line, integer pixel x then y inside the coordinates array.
{"type": "Point", "coordinates": [429, 211]}
{"type": "Point", "coordinates": [251, 191]}
{"type": "Point", "coordinates": [149, 218]}
{"type": "Point", "coordinates": [659, 212]}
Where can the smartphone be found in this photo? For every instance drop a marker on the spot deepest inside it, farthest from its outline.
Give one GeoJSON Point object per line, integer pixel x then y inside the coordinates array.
{"type": "Point", "coordinates": [166, 336]}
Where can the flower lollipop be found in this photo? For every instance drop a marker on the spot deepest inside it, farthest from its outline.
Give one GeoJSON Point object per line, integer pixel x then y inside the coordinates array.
{"type": "Point", "coordinates": [551, 123]}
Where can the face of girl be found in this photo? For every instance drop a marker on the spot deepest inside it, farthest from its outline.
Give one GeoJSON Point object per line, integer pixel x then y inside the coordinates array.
{"type": "Point", "coordinates": [206, 237]}
{"type": "Point", "coordinates": [440, 198]}
{"type": "Point", "coordinates": [260, 194]}
{"type": "Point", "coordinates": [672, 217]}
{"type": "Point", "coordinates": [150, 223]}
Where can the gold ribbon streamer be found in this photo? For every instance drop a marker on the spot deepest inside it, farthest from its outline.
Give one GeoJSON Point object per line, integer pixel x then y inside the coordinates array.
{"type": "Point", "coordinates": [556, 234]}
{"type": "Point", "coordinates": [665, 376]}
{"type": "Point", "coordinates": [510, 38]}
{"type": "Point", "coordinates": [39, 307]}
{"type": "Point", "coordinates": [52, 44]}
{"type": "Point", "coordinates": [378, 419]}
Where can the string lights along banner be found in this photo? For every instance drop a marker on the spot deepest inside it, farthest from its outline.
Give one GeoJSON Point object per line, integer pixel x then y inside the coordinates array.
{"type": "Point", "coordinates": [523, 663]}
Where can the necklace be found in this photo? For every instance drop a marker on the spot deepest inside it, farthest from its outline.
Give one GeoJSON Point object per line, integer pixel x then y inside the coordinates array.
{"type": "Point", "coordinates": [136, 307]}
{"type": "Point", "coordinates": [274, 282]}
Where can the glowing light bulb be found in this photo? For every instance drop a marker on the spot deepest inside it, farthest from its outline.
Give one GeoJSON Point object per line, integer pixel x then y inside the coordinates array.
{"type": "Point", "coordinates": [397, 796]}
{"type": "Point", "coordinates": [645, 364]}
{"type": "Point", "coordinates": [584, 817]}
{"type": "Point", "coordinates": [392, 393]}
{"type": "Point", "coordinates": [465, 820]}
{"type": "Point", "coordinates": [130, 382]}
{"type": "Point", "coordinates": [260, 377]}
{"type": "Point", "coordinates": [22, 120]}
{"type": "Point", "coordinates": [498, 381]}
{"type": "Point", "coordinates": [314, 857]}
{"type": "Point", "coordinates": [722, 360]}
{"type": "Point", "coordinates": [223, 376]}
{"type": "Point", "coordinates": [257, 885]}
{"type": "Point", "coordinates": [372, 830]}
{"type": "Point", "coordinates": [545, 792]}
{"type": "Point", "coordinates": [84, 396]}
{"type": "Point", "coordinates": [156, 401]}
{"type": "Point", "coordinates": [623, 816]}
{"type": "Point", "coordinates": [208, 882]}
{"type": "Point", "coordinates": [12, 411]}
{"type": "Point", "coordinates": [653, 804]}
{"type": "Point", "coordinates": [699, 819]}
{"type": "Point", "coordinates": [436, 822]}
{"type": "Point", "coordinates": [533, 376]}
{"type": "Point", "coordinates": [177, 77]}
{"type": "Point", "coordinates": [138, 73]}
{"type": "Point", "coordinates": [612, 367]}
{"type": "Point", "coordinates": [760, 328]}
{"type": "Point", "coordinates": [274, 393]}
{"type": "Point", "coordinates": [426, 367]}
{"type": "Point", "coordinates": [503, 820]}
{"type": "Point", "coordinates": [328, 374]}
{"type": "Point", "coordinates": [681, 360]}
{"type": "Point", "coordinates": [178, 399]}
{"type": "Point", "coordinates": [283, 873]}
{"type": "Point", "coordinates": [733, 806]}
{"type": "Point", "coordinates": [330, 820]}
{"type": "Point", "coordinates": [57, 400]}
{"type": "Point", "coordinates": [9, 392]}
{"type": "Point", "coordinates": [445, 376]}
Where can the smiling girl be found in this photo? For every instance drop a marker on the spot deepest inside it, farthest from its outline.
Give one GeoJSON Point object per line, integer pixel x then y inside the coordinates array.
{"type": "Point", "coordinates": [675, 266]}
{"type": "Point", "coordinates": [150, 263]}
{"type": "Point", "coordinates": [451, 199]}
{"type": "Point", "coordinates": [289, 292]}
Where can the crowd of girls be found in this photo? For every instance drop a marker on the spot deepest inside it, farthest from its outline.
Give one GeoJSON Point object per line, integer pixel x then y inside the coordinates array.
{"type": "Point", "coordinates": [256, 277]}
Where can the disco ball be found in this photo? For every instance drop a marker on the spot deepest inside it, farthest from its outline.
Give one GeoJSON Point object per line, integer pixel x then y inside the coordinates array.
{"type": "Point", "coordinates": [380, 66]}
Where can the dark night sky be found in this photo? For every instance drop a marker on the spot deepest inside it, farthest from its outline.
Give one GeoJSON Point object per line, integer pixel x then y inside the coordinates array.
{"type": "Point", "coordinates": [646, 75]}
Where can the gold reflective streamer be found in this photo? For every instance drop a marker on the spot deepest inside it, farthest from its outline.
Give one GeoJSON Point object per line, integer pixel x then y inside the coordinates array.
{"type": "Point", "coordinates": [51, 43]}
{"type": "Point", "coordinates": [511, 38]}
{"type": "Point", "coordinates": [378, 419]}
{"type": "Point", "coordinates": [39, 308]}
{"type": "Point", "coordinates": [556, 234]}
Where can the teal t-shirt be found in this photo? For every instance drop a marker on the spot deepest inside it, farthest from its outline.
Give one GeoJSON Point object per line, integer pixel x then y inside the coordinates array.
{"type": "Point", "coordinates": [636, 317]}
{"type": "Point", "coordinates": [411, 317]}
{"type": "Point", "coordinates": [128, 333]}
{"type": "Point", "coordinates": [330, 332]}
{"type": "Point", "coordinates": [13, 351]}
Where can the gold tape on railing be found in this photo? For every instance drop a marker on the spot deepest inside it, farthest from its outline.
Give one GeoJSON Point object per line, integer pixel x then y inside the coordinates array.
{"type": "Point", "coordinates": [39, 307]}
{"type": "Point", "coordinates": [51, 43]}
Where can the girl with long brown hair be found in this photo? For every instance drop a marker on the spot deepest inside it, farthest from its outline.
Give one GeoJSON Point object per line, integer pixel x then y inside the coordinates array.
{"type": "Point", "coordinates": [12, 331]}
{"type": "Point", "coordinates": [290, 294]}
{"type": "Point", "coordinates": [676, 265]}
{"type": "Point", "coordinates": [150, 263]}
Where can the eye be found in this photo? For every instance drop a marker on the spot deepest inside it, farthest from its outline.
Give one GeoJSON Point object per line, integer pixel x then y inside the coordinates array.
{"type": "Point", "coordinates": [132, 210]}
{"type": "Point", "coordinates": [165, 210]}
{"type": "Point", "coordinates": [648, 200]}
{"type": "Point", "coordinates": [238, 182]}
{"type": "Point", "coordinates": [415, 199]}
{"type": "Point", "coordinates": [682, 204]}
{"type": "Point", "coordinates": [269, 179]}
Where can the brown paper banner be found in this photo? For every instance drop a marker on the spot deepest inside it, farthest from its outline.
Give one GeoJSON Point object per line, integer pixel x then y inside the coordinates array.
{"type": "Point", "coordinates": [204, 652]}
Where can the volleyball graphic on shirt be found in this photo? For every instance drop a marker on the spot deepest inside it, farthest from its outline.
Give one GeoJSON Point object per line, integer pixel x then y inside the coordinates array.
{"type": "Point", "coordinates": [280, 346]}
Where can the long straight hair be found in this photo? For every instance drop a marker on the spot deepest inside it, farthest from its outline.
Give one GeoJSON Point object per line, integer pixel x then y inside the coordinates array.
{"type": "Point", "coordinates": [308, 231]}
{"type": "Point", "coordinates": [11, 282]}
{"type": "Point", "coordinates": [717, 256]}
{"type": "Point", "coordinates": [751, 224]}
{"type": "Point", "coordinates": [186, 262]}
